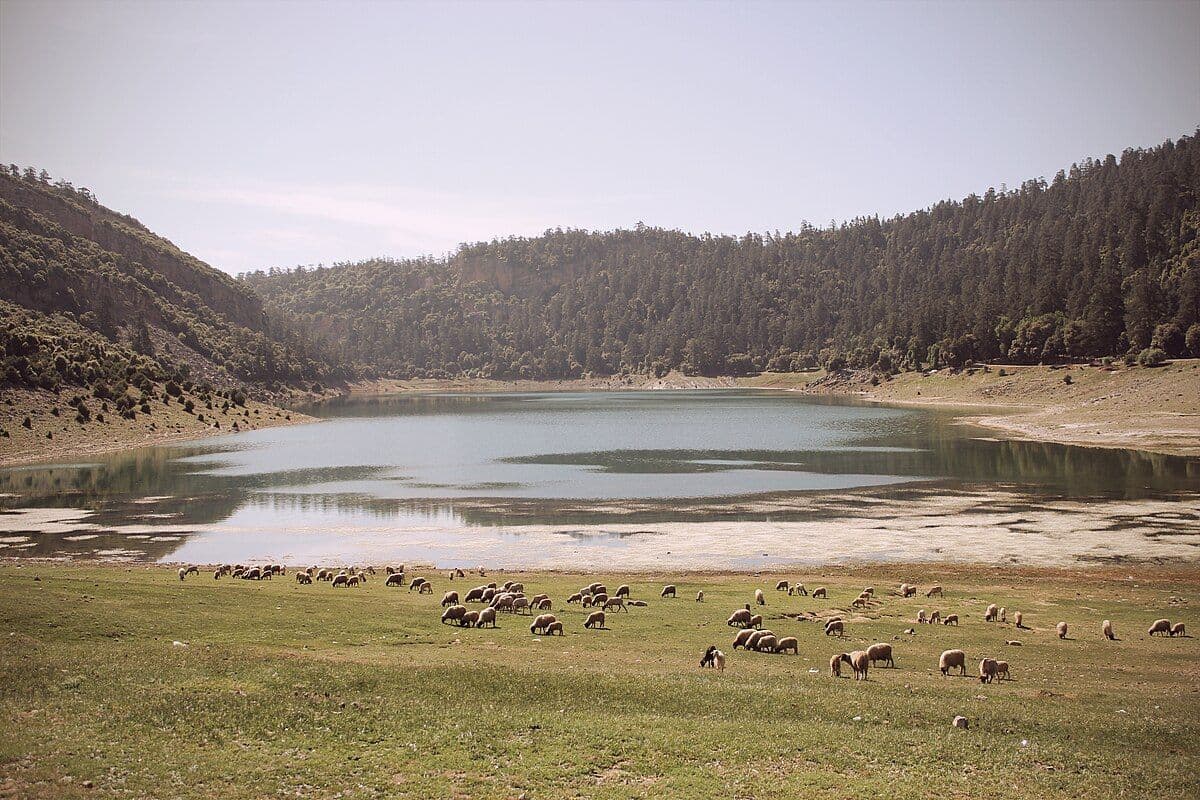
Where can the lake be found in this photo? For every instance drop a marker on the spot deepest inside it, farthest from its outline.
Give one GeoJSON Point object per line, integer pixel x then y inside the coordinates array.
{"type": "Point", "coordinates": [728, 479]}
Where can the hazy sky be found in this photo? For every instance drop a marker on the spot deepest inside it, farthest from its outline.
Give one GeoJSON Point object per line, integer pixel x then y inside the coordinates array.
{"type": "Point", "coordinates": [272, 134]}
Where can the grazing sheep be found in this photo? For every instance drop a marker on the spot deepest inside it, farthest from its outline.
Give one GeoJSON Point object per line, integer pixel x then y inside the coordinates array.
{"type": "Point", "coordinates": [935, 618]}
{"type": "Point", "coordinates": [598, 588]}
{"type": "Point", "coordinates": [835, 626]}
{"type": "Point", "coordinates": [555, 627]}
{"type": "Point", "coordinates": [217, 575]}
{"type": "Point", "coordinates": [600, 598]}
{"type": "Point", "coordinates": [755, 638]}
{"type": "Point", "coordinates": [503, 602]}
{"type": "Point", "coordinates": [935, 589]}
{"type": "Point", "coordinates": [469, 619]}
{"type": "Point", "coordinates": [226, 569]}
{"type": "Point", "coordinates": [788, 643]}
{"type": "Point", "coordinates": [516, 588]}
{"type": "Point", "coordinates": [1107, 629]}
{"type": "Point", "coordinates": [426, 588]}
{"type": "Point", "coordinates": [453, 614]}
{"type": "Point", "coordinates": [587, 601]}
{"type": "Point", "coordinates": [869, 591]}
{"type": "Point", "coordinates": [449, 599]}
{"type": "Point", "coordinates": [706, 660]}
{"type": "Point", "coordinates": [182, 573]}
{"type": "Point", "coordinates": [719, 661]}
{"type": "Point", "coordinates": [756, 621]}
{"type": "Point", "coordinates": [907, 590]}
{"type": "Point", "coordinates": [881, 652]}
{"type": "Point", "coordinates": [389, 570]}
{"type": "Point", "coordinates": [595, 620]}
{"type": "Point", "coordinates": [341, 579]}
{"type": "Point", "coordinates": [327, 575]}
{"type": "Point", "coordinates": [239, 572]}
{"type": "Point", "coordinates": [354, 580]}
{"type": "Point", "coordinates": [990, 614]}
{"type": "Point", "coordinates": [921, 618]}
{"type": "Point", "coordinates": [1002, 671]}
{"type": "Point", "coordinates": [613, 602]}
{"type": "Point", "coordinates": [953, 658]}
{"type": "Point", "coordinates": [303, 577]}
{"type": "Point", "coordinates": [1003, 614]}
{"type": "Point", "coordinates": [859, 661]}
{"type": "Point", "coordinates": [458, 573]}
{"type": "Point", "coordinates": [1160, 626]}
{"type": "Point", "coordinates": [537, 598]}
{"type": "Point", "coordinates": [638, 603]}
{"type": "Point", "coordinates": [1019, 619]}
{"type": "Point", "coordinates": [520, 603]}
{"type": "Point", "coordinates": [668, 591]}
{"type": "Point", "coordinates": [542, 622]}
{"type": "Point", "coordinates": [486, 615]}
{"type": "Point", "coordinates": [859, 602]}
{"type": "Point", "coordinates": [265, 574]}
{"type": "Point", "coordinates": [766, 644]}
{"type": "Point", "coordinates": [575, 598]}
{"type": "Point", "coordinates": [489, 594]}
{"type": "Point", "coordinates": [987, 670]}
{"type": "Point", "coordinates": [743, 637]}
{"type": "Point", "coordinates": [1061, 629]}
{"type": "Point", "coordinates": [798, 589]}
{"type": "Point", "coordinates": [781, 586]}
{"type": "Point", "coordinates": [739, 619]}
{"type": "Point", "coordinates": [542, 605]}
{"type": "Point", "coordinates": [1178, 629]}
{"type": "Point", "coordinates": [474, 595]}
{"type": "Point", "coordinates": [700, 596]}
{"type": "Point", "coordinates": [820, 591]}
{"type": "Point", "coordinates": [417, 583]}
{"type": "Point", "coordinates": [622, 590]}
{"type": "Point", "coordinates": [951, 619]}
{"type": "Point", "coordinates": [835, 664]}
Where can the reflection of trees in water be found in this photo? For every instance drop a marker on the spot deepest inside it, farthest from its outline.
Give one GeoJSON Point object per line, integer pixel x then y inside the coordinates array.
{"type": "Point", "coordinates": [110, 545]}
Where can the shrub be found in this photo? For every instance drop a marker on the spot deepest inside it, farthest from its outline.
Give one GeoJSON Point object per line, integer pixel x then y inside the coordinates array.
{"type": "Point", "coordinates": [1192, 339]}
{"type": "Point", "coordinates": [27, 423]}
{"type": "Point", "coordinates": [188, 406]}
{"type": "Point", "coordinates": [1067, 380]}
{"type": "Point", "coordinates": [1151, 357]}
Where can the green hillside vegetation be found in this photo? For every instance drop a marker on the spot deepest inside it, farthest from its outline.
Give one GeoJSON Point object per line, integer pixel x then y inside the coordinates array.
{"type": "Point", "coordinates": [65, 258]}
{"type": "Point", "coordinates": [1102, 260]}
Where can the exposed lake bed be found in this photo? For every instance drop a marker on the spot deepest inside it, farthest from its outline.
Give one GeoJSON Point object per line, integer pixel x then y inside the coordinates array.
{"type": "Point", "coordinates": [687, 480]}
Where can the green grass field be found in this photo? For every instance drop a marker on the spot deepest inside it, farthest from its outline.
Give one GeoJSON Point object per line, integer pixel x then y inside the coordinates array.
{"type": "Point", "coordinates": [307, 691]}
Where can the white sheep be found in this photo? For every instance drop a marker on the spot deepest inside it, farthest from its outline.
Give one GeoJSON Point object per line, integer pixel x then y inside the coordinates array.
{"type": "Point", "coordinates": [595, 620]}
{"type": "Point", "coordinates": [835, 664]}
{"type": "Point", "coordinates": [990, 614]}
{"type": "Point", "coordinates": [449, 599]}
{"type": "Point", "coordinates": [742, 638]}
{"type": "Point", "coordinates": [542, 622]}
{"type": "Point", "coordinates": [700, 596]}
{"type": "Point", "coordinates": [486, 615]}
{"type": "Point", "coordinates": [820, 591]}
{"type": "Point", "coordinates": [1002, 671]}
{"type": "Point", "coordinates": [1178, 629]}
{"type": "Point", "coordinates": [668, 591]}
{"type": "Point", "coordinates": [951, 619]}
{"type": "Point", "coordinates": [1061, 629]}
{"type": "Point", "coordinates": [859, 662]}
{"type": "Point", "coordinates": [1160, 626]}
{"type": "Point", "coordinates": [953, 658]}
{"type": "Point", "coordinates": [987, 670]}
{"type": "Point", "coordinates": [835, 626]}
{"type": "Point", "coordinates": [881, 652]}
{"type": "Point", "coordinates": [1107, 629]}
{"type": "Point", "coordinates": [719, 661]}
{"type": "Point", "coordinates": [555, 627]}
{"type": "Point", "coordinates": [788, 643]}
{"type": "Point", "coordinates": [935, 589]}
{"type": "Point", "coordinates": [1019, 620]}
{"type": "Point", "coordinates": [739, 618]}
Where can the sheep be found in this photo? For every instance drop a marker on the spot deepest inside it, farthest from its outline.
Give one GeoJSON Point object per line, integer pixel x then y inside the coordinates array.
{"type": "Point", "coordinates": [182, 573]}
{"type": "Point", "coordinates": [1061, 629]}
{"type": "Point", "coordinates": [595, 620]}
{"type": "Point", "coordinates": [193, 569]}
{"type": "Point", "coordinates": [449, 599]}
{"type": "Point", "coordinates": [598, 588]}
{"type": "Point", "coordinates": [613, 602]}
{"type": "Point", "coordinates": [798, 589]}
{"type": "Point", "coordinates": [719, 661]}
{"type": "Point", "coordinates": [668, 591]}
{"type": "Point", "coordinates": [951, 619]}
{"type": "Point", "coordinates": [217, 575]}
{"type": "Point", "coordinates": [1003, 614]}
{"type": "Point", "coordinates": [426, 588]}
{"type": "Point", "coordinates": [700, 596]}
{"type": "Point", "coordinates": [542, 622]}
{"type": "Point", "coordinates": [520, 603]}
{"type": "Point", "coordinates": [458, 573]}
{"type": "Point", "coordinates": [820, 591]}
{"type": "Point", "coordinates": [1002, 671]}
{"type": "Point", "coordinates": [781, 586]}
{"type": "Point", "coordinates": [453, 614]}
{"type": "Point", "coordinates": [835, 626]}
{"type": "Point", "coordinates": [935, 589]}
{"type": "Point", "coordinates": [743, 637]}
{"type": "Point", "coordinates": [226, 569]}
{"type": "Point", "coordinates": [575, 598]}
{"type": "Point", "coordinates": [935, 618]}
{"type": "Point", "coordinates": [756, 621]}
{"type": "Point", "coordinates": [503, 602]}
{"type": "Point", "coordinates": [486, 615]}
{"type": "Point", "coordinates": [469, 619]}
{"type": "Point", "coordinates": [587, 601]}
{"type": "Point", "coordinates": [766, 644]}
{"type": "Point", "coordinates": [987, 670]}
{"type": "Point", "coordinates": [1107, 629]}
{"type": "Point", "coordinates": [1019, 619]}
{"type": "Point", "coordinates": [907, 590]}
{"type": "Point", "coordinates": [353, 580]}
{"type": "Point", "coordinates": [869, 591]}
{"type": "Point", "coordinates": [516, 588]}
{"type": "Point", "coordinates": [921, 618]}
{"type": "Point", "coordinates": [739, 619]}
{"type": "Point", "coordinates": [859, 602]}
{"type": "Point", "coordinates": [953, 658]}
{"type": "Point", "coordinates": [707, 659]}
{"type": "Point", "coordinates": [417, 583]}
{"type": "Point", "coordinates": [788, 643]}
{"type": "Point", "coordinates": [474, 595]}
{"type": "Point", "coordinates": [542, 605]}
{"type": "Point", "coordinates": [755, 638]}
{"type": "Point", "coordinates": [1178, 629]}
{"type": "Point", "coordinates": [389, 570]}
{"type": "Point", "coordinates": [638, 603]}
{"type": "Point", "coordinates": [537, 598]}
{"type": "Point", "coordinates": [835, 665]}
{"type": "Point", "coordinates": [341, 579]}
{"type": "Point", "coordinates": [599, 598]}
{"type": "Point", "coordinates": [1160, 626]}
{"type": "Point", "coordinates": [555, 627]}
{"type": "Point", "coordinates": [989, 615]}
{"type": "Point", "coordinates": [859, 661]}
{"type": "Point", "coordinates": [881, 652]}
{"type": "Point", "coordinates": [265, 574]}
{"type": "Point", "coordinates": [303, 578]}
{"type": "Point", "coordinates": [327, 575]}
{"type": "Point", "coordinates": [239, 572]}
{"type": "Point", "coordinates": [489, 594]}
{"type": "Point", "coordinates": [622, 591]}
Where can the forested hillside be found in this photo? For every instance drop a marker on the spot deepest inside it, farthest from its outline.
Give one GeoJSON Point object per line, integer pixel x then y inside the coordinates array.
{"type": "Point", "coordinates": [94, 299]}
{"type": "Point", "coordinates": [1102, 260]}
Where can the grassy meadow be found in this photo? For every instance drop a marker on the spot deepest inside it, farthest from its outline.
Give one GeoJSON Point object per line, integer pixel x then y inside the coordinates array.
{"type": "Point", "coordinates": [276, 689]}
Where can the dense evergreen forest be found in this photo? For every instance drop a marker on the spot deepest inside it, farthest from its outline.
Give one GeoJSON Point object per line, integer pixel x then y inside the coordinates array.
{"type": "Point", "coordinates": [92, 298]}
{"type": "Point", "coordinates": [1101, 261]}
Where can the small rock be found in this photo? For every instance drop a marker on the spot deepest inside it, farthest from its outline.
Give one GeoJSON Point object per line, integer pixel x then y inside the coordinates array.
{"type": "Point", "coordinates": [178, 643]}
{"type": "Point", "coordinates": [88, 784]}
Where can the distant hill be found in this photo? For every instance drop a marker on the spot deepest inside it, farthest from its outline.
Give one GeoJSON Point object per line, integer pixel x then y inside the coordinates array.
{"type": "Point", "coordinates": [91, 295]}
{"type": "Point", "coordinates": [1102, 260]}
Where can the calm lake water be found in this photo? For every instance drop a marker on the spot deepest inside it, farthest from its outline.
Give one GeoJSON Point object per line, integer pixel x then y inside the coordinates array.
{"type": "Point", "coordinates": [429, 477]}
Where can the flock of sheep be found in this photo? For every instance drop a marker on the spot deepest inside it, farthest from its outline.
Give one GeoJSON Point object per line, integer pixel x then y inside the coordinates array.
{"type": "Point", "coordinates": [510, 597]}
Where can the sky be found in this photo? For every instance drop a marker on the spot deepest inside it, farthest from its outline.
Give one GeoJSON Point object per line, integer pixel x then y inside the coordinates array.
{"type": "Point", "coordinates": [264, 134]}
